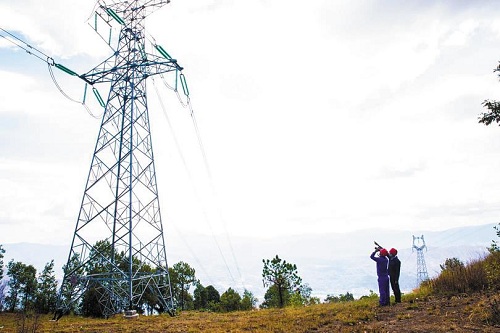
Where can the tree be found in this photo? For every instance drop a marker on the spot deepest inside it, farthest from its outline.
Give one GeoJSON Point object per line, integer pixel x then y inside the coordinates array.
{"type": "Point", "coordinates": [213, 298]}
{"type": "Point", "coordinates": [2, 251]}
{"type": "Point", "coordinates": [200, 297]}
{"type": "Point", "coordinates": [230, 300]}
{"type": "Point", "coordinates": [495, 247]}
{"type": "Point", "coordinates": [272, 298]}
{"type": "Point", "coordinates": [302, 296]}
{"type": "Point", "coordinates": [452, 265]}
{"type": "Point", "coordinates": [98, 263]}
{"type": "Point", "coordinates": [248, 301]}
{"type": "Point", "coordinates": [347, 297]}
{"type": "Point", "coordinates": [46, 297]}
{"type": "Point", "coordinates": [182, 276]}
{"type": "Point", "coordinates": [282, 275]}
{"type": "Point", "coordinates": [2, 283]}
{"type": "Point", "coordinates": [212, 294]}
{"type": "Point", "coordinates": [22, 286]}
{"type": "Point", "coordinates": [493, 114]}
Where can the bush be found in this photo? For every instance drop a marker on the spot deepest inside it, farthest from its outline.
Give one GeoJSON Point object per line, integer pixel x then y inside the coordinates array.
{"type": "Point", "coordinates": [477, 275]}
{"type": "Point", "coordinates": [492, 270]}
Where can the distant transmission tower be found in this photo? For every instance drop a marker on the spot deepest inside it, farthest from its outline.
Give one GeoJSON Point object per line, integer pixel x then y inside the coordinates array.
{"type": "Point", "coordinates": [117, 255]}
{"type": "Point", "coordinates": [419, 245]}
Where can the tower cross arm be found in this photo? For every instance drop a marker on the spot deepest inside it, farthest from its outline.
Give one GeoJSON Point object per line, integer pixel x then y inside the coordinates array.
{"type": "Point", "coordinates": [106, 72]}
{"type": "Point", "coordinates": [126, 7]}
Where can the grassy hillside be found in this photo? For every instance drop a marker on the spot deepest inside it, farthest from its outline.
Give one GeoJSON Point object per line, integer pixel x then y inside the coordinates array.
{"type": "Point", "coordinates": [463, 298]}
{"type": "Point", "coordinates": [458, 313]}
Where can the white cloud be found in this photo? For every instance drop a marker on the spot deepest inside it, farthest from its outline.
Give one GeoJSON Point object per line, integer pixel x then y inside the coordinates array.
{"type": "Point", "coordinates": [317, 117]}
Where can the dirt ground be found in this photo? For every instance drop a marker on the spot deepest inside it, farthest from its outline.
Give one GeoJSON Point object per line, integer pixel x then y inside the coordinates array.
{"type": "Point", "coordinates": [460, 313]}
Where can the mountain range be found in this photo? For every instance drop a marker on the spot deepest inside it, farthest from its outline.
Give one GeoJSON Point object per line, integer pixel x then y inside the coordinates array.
{"type": "Point", "coordinates": [333, 263]}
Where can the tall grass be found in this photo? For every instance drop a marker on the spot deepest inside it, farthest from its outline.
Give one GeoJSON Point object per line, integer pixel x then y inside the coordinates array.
{"type": "Point", "coordinates": [477, 275]}
{"type": "Point", "coordinates": [480, 275]}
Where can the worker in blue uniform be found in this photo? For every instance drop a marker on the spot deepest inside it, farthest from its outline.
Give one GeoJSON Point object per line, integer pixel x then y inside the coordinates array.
{"type": "Point", "coordinates": [382, 274]}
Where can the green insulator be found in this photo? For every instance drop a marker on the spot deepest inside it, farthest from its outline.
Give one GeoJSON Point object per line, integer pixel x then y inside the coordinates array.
{"type": "Point", "coordinates": [163, 52]}
{"type": "Point", "coordinates": [98, 96]}
{"type": "Point", "coordinates": [184, 85]}
{"type": "Point", "coordinates": [85, 93]}
{"type": "Point", "coordinates": [117, 18]}
{"type": "Point", "coordinates": [176, 78]}
{"type": "Point", "coordinates": [65, 69]}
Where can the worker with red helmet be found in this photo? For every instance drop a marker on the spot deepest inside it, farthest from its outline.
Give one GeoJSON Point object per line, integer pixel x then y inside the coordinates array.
{"type": "Point", "coordinates": [382, 274]}
{"type": "Point", "coordinates": [394, 269]}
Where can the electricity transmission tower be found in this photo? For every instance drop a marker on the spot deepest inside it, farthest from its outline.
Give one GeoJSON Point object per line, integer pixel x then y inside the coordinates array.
{"type": "Point", "coordinates": [118, 255]}
{"type": "Point", "coordinates": [419, 246]}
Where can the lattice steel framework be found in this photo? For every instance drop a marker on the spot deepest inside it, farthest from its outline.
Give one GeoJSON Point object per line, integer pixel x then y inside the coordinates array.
{"type": "Point", "coordinates": [419, 246]}
{"type": "Point", "coordinates": [118, 250]}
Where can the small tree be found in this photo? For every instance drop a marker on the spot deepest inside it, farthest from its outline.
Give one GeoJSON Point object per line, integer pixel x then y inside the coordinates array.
{"type": "Point", "coordinates": [2, 251]}
{"type": "Point", "coordinates": [182, 276]}
{"type": "Point", "coordinates": [495, 247]}
{"type": "Point", "coordinates": [46, 297]}
{"type": "Point", "coordinates": [200, 297]}
{"type": "Point", "coordinates": [272, 298]}
{"type": "Point", "coordinates": [213, 298]}
{"type": "Point", "coordinates": [452, 265]}
{"type": "Point", "coordinates": [493, 113]}
{"type": "Point", "coordinates": [230, 300]}
{"type": "Point", "coordinates": [2, 283]}
{"type": "Point", "coordinates": [282, 275]}
{"type": "Point", "coordinates": [248, 301]}
{"type": "Point", "coordinates": [22, 286]}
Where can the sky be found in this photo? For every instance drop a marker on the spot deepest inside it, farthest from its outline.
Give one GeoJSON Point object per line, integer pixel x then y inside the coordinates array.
{"type": "Point", "coordinates": [314, 117]}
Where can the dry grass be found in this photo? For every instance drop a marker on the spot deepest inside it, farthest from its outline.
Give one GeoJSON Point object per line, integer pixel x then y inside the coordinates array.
{"type": "Point", "coordinates": [418, 313]}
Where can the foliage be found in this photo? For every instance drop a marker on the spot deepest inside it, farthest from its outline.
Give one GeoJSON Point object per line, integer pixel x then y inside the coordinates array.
{"type": "Point", "coordinates": [452, 265]}
{"type": "Point", "coordinates": [230, 300]}
{"type": "Point", "coordinates": [200, 297]}
{"type": "Point", "coordinates": [182, 277]}
{"type": "Point", "coordinates": [2, 251]}
{"type": "Point", "coordinates": [22, 286]}
{"type": "Point", "coordinates": [347, 297]}
{"type": "Point", "coordinates": [372, 295]}
{"type": "Point", "coordinates": [282, 275]}
{"type": "Point", "coordinates": [493, 113]}
{"type": "Point", "coordinates": [492, 270]}
{"type": "Point", "coordinates": [272, 298]}
{"type": "Point", "coordinates": [3, 285]}
{"type": "Point", "coordinates": [248, 301]}
{"type": "Point", "coordinates": [457, 277]}
{"type": "Point", "coordinates": [212, 294]}
{"type": "Point", "coordinates": [495, 247]}
{"type": "Point", "coordinates": [302, 296]}
{"type": "Point", "coordinates": [46, 295]}
{"type": "Point", "coordinates": [98, 263]}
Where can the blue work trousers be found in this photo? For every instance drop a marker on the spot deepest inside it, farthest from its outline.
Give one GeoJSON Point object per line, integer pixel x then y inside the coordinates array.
{"type": "Point", "coordinates": [383, 289]}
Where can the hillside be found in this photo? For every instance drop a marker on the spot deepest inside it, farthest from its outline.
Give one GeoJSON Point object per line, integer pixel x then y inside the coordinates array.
{"type": "Point", "coordinates": [460, 313]}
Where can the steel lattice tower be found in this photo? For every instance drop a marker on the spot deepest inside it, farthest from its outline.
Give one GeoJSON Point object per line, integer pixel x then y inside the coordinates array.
{"type": "Point", "coordinates": [118, 248]}
{"type": "Point", "coordinates": [419, 246]}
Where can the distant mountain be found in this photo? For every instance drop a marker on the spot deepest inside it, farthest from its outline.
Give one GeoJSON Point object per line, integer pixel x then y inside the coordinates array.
{"type": "Point", "coordinates": [333, 263]}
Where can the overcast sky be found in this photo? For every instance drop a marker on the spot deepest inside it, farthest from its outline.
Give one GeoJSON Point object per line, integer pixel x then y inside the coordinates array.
{"type": "Point", "coordinates": [318, 116]}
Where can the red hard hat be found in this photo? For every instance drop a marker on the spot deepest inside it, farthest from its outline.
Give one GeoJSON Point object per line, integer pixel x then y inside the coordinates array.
{"type": "Point", "coordinates": [393, 252]}
{"type": "Point", "coordinates": [384, 252]}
